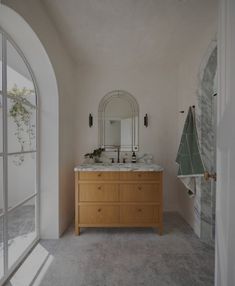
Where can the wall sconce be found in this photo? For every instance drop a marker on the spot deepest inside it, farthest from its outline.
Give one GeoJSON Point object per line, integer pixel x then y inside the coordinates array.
{"type": "Point", "coordinates": [146, 120]}
{"type": "Point", "coordinates": [90, 120]}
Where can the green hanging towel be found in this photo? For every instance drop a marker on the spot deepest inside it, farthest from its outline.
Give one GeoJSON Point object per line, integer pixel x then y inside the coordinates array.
{"type": "Point", "coordinates": [188, 156]}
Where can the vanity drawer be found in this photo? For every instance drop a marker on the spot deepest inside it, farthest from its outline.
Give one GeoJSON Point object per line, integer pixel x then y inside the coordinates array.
{"type": "Point", "coordinates": [139, 214]}
{"type": "Point", "coordinates": [140, 193]}
{"type": "Point", "coordinates": [98, 192]}
{"type": "Point", "coordinates": [140, 176]}
{"type": "Point", "coordinates": [98, 176]}
{"type": "Point", "coordinates": [98, 214]}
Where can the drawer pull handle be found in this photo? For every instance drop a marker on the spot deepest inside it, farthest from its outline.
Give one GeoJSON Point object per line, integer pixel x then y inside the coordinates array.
{"type": "Point", "coordinates": [139, 210]}
{"type": "Point", "coordinates": [99, 188]}
{"type": "Point", "coordinates": [99, 175]}
{"type": "Point", "coordinates": [99, 210]}
{"type": "Point", "coordinates": [139, 175]}
{"type": "Point", "coordinates": [140, 188]}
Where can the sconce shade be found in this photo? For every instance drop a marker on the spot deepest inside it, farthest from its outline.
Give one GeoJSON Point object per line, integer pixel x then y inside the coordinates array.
{"type": "Point", "coordinates": [146, 120]}
{"type": "Point", "coordinates": [90, 120]}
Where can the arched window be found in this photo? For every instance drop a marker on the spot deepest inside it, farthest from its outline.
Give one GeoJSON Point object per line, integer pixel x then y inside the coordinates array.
{"type": "Point", "coordinates": [18, 157]}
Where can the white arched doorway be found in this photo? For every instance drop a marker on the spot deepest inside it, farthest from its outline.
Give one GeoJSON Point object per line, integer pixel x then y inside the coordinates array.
{"type": "Point", "coordinates": [30, 48]}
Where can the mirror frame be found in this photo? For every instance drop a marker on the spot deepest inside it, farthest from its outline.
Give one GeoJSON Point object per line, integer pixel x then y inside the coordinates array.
{"type": "Point", "coordinates": [135, 119]}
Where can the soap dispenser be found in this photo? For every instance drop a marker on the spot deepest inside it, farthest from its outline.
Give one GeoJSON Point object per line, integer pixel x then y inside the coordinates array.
{"type": "Point", "coordinates": [133, 158]}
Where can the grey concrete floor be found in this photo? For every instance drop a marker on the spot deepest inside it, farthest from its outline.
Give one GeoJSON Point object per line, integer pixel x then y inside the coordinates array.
{"type": "Point", "coordinates": [126, 257]}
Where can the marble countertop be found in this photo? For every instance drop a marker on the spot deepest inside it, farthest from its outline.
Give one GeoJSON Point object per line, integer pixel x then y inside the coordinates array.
{"type": "Point", "coordinates": [134, 167]}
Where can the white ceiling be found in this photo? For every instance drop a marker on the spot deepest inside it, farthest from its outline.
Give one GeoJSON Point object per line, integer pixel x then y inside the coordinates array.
{"type": "Point", "coordinates": [130, 32]}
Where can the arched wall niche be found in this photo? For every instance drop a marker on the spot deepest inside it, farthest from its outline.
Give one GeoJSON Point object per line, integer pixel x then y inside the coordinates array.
{"type": "Point", "coordinates": [13, 24]}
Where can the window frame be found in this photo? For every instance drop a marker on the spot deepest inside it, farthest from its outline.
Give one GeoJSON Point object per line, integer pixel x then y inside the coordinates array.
{"type": "Point", "coordinates": [7, 272]}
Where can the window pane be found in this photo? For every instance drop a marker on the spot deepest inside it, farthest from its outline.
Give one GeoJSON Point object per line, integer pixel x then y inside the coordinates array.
{"type": "Point", "coordinates": [1, 248]}
{"type": "Point", "coordinates": [0, 63]}
{"type": "Point", "coordinates": [1, 167]}
{"type": "Point", "coordinates": [1, 134]}
{"type": "Point", "coordinates": [1, 218]}
{"type": "Point", "coordinates": [1, 126]}
{"type": "Point", "coordinates": [21, 230]}
{"type": "Point", "coordinates": [1, 185]}
{"type": "Point", "coordinates": [21, 104]}
{"type": "Point", "coordinates": [18, 73]}
{"type": "Point", "coordinates": [21, 127]}
{"type": "Point", "coordinates": [21, 177]}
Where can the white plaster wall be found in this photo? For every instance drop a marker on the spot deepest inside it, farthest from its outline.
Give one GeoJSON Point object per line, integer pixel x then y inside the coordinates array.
{"type": "Point", "coordinates": [187, 95]}
{"type": "Point", "coordinates": [155, 88]}
{"type": "Point", "coordinates": [56, 201]}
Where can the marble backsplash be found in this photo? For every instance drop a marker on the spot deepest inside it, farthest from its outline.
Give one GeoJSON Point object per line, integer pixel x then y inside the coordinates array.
{"type": "Point", "coordinates": [204, 206]}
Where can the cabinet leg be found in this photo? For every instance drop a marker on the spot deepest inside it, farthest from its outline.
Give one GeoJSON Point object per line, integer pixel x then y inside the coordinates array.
{"type": "Point", "coordinates": [77, 230]}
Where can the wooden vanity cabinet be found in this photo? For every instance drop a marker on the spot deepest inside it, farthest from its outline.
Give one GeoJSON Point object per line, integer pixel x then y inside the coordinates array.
{"type": "Point", "coordinates": [118, 199]}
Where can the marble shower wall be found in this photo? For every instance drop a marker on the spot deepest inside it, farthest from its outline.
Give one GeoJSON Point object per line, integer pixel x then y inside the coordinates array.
{"type": "Point", "coordinates": [206, 123]}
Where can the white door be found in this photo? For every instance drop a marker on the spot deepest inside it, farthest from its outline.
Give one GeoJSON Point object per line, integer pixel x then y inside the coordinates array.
{"type": "Point", "coordinates": [225, 206]}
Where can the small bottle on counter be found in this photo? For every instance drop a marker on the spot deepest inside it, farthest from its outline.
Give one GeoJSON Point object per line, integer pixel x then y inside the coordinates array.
{"type": "Point", "coordinates": [133, 157]}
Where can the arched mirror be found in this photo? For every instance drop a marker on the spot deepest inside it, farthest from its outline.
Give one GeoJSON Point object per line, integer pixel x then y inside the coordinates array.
{"type": "Point", "coordinates": [119, 121]}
